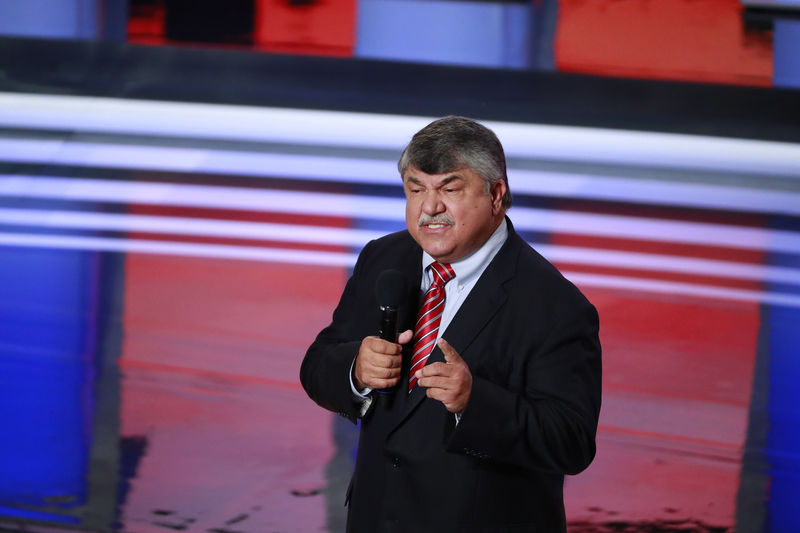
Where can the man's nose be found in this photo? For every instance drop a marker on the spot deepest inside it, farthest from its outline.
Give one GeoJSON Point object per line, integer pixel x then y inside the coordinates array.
{"type": "Point", "coordinates": [432, 204]}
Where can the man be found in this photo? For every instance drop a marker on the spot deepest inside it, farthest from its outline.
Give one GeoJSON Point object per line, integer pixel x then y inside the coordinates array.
{"type": "Point", "coordinates": [473, 431]}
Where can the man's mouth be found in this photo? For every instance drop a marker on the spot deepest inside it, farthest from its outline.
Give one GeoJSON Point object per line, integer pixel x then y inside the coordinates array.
{"type": "Point", "coordinates": [435, 223]}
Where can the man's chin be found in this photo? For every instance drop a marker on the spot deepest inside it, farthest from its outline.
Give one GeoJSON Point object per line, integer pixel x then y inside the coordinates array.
{"type": "Point", "coordinates": [433, 245]}
{"type": "Point", "coordinates": [439, 253]}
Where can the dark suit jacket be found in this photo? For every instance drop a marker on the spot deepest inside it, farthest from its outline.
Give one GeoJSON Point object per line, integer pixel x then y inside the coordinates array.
{"type": "Point", "coordinates": [530, 339]}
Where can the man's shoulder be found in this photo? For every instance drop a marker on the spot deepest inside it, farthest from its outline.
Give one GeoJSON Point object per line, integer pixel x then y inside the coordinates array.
{"type": "Point", "coordinates": [399, 240]}
{"type": "Point", "coordinates": [393, 251]}
{"type": "Point", "coordinates": [389, 248]}
{"type": "Point", "coordinates": [536, 273]}
{"type": "Point", "coordinates": [530, 258]}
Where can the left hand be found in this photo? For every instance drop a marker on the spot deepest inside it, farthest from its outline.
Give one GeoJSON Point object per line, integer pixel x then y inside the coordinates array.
{"type": "Point", "coordinates": [449, 382]}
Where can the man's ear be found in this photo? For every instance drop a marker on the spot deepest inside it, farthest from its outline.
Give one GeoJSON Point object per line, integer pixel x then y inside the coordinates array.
{"type": "Point", "coordinates": [497, 191]}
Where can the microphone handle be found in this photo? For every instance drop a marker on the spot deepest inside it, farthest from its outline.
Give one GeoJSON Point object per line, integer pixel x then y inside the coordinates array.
{"type": "Point", "coordinates": [388, 331]}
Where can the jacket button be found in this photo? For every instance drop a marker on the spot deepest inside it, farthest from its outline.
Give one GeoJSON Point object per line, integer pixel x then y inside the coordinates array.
{"type": "Point", "coordinates": [395, 462]}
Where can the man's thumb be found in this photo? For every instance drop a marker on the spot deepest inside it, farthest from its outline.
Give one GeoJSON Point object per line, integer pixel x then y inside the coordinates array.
{"type": "Point", "coordinates": [405, 336]}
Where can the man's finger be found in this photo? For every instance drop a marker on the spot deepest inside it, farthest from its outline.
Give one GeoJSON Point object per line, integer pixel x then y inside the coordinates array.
{"type": "Point", "coordinates": [434, 382]}
{"type": "Point", "coordinates": [434, 369]}
{"type": "Point", "coordinates": [450, 353]}
{"type": "Point", "coordinates": [380, 346]}
{"type": "Point", "coordinates": [436, 394]}
{"type": "Point", "coordinates": [404, 337]}
{"type": "Point", "coordinates": [387, 373]}
{"type": "Point", "coordinates": [391, 361]}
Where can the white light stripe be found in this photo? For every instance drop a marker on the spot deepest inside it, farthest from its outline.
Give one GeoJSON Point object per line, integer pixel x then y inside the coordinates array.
{"type": "Point", "coordinates": [110, 115]}
{"type": "Point", "coordinates": [189, 226]}
{"type": "Point", "coordinates": [172, 159]}
{"type": "Point", "coordinates": [217, 121]}
{"type": "Point", "coordinates": [303, 203]}
{"type": "Point", "coordinates": [686, 289]}
{"type": "Point", "coordinates": [668, 263]}
{"type": "Point", "coordinates": [347, 260]}
{"type": "Point", "coordinates": [678, 194]}
{"type": "Point", "coordinates": [665, 150]}
{"type": "Point", "coordinates": [651, 229]}
{"type": "Point", "coordinates": [365, 171]}
{"type": "Point", "coordinates": [351, 206]}
{"type": "Point", "coordinates": [221, 251]}
{"type": "Point", "coordinates": [357, 238]}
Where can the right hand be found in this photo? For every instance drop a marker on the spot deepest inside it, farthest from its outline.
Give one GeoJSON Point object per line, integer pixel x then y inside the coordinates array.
{"type": "Point", "coordinates": [379, 362]}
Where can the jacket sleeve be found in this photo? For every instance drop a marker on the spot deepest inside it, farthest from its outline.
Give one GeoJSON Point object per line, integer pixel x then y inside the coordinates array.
{"type": "Point", "coordinates": [549, 421]}
{"type": "Point", "coordinates": [325, 371]}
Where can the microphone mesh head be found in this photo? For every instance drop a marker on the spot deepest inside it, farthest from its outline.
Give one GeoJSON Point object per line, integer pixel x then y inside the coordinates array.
{"type": "Point", "coordinates": [390, 288]}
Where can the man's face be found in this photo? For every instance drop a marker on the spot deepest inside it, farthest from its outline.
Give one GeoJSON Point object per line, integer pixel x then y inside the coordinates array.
{"type": "Point", "coordinates": [451, 215]}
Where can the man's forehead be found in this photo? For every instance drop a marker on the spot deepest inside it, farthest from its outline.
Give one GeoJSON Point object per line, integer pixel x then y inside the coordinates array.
{"type": "Point", "coordinates": [417, 176]}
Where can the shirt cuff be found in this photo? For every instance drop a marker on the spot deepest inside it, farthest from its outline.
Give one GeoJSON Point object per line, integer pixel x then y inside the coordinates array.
{"type": "Point", "coordinates": [362, 394]}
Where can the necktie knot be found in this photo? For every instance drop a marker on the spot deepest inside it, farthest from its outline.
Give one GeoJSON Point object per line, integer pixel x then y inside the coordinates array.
{"type": "Point", "coordinates": [442, 273]}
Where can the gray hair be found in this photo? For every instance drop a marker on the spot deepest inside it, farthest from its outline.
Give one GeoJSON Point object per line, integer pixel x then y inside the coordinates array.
{"type": "Point", "coordinates": [452, 143]}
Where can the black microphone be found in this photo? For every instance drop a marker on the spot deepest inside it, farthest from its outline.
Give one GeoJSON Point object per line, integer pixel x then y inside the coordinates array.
{"type": "Point", "coordinates": [390, 290]}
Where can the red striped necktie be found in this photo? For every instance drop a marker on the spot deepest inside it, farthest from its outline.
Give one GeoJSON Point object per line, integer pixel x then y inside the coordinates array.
{"type": "Point", "coordinates": [429, 318]}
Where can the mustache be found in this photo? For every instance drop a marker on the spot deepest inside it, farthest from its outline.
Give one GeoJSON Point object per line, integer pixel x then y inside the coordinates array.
{"type": "Point", "coordinates": [438, 219]}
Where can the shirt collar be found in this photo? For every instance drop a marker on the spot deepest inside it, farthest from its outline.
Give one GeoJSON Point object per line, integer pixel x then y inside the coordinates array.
{"type": "Point", "coordinates": [476, 262]}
